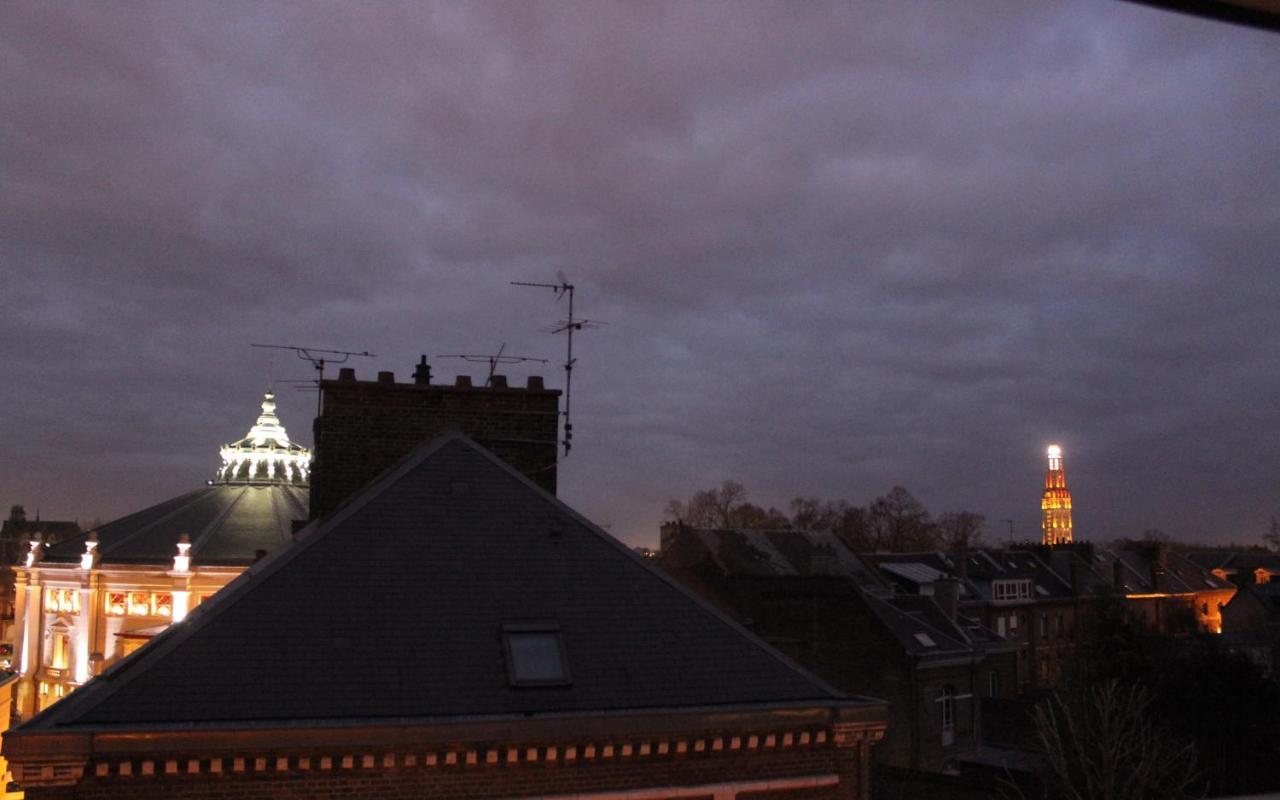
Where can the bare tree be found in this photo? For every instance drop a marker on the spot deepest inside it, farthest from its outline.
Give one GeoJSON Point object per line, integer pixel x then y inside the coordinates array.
{"type": "Point", "coordinates": [1272, 537]}
{"type": "Point", "coordinates": [1100, 743]}
{"type": "Point", "coordinates": [961, 529]}
{"type": "Point", "coordinates": [897, 522]}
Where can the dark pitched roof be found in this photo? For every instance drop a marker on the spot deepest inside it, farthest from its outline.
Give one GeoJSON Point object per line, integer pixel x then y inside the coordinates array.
{"type": "Point", "coordinates": [1181, 574]}
{"type": "Point", "coordinates": [920, 626]}
{"type": "Point", "coordinates": [908, 572]}
{"type": "Point", "coordinates": [393, 606]}
{"type": "Point", "coordinates": [227, 524]}
{"type": "Point", "coordinates": [791, 553]}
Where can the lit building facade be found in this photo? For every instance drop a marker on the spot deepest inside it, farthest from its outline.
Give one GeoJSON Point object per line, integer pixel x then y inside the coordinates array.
{"type": "Point", "coordinates": [85, 602]}
{"type": "Point", "coordinates": [1055, 503]}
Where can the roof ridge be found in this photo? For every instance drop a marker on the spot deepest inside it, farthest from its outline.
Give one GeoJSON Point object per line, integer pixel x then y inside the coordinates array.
{"type": "Point", "coordinates": [198, 542]}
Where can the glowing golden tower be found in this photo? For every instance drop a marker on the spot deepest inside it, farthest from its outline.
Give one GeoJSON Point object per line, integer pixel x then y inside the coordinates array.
{"type": "Point", "coordinates": [1055, 503]}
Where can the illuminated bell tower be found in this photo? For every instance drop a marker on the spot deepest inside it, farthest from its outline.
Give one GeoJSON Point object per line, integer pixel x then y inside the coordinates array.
{"type": "Point", "coordinates": [1055, 503]}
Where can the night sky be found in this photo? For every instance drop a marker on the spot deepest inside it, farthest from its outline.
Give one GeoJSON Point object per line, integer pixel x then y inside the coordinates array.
{"type": "Point", "coordinates": [838, 247]}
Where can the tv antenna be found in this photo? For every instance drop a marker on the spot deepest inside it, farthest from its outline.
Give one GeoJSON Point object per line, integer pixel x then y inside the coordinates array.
{"type": "Point", "coordinates": [566, 326]}
{"type": "Point", "coordinates": [495, 359]}
{"type": "Point", "coordinates": [319, 358]}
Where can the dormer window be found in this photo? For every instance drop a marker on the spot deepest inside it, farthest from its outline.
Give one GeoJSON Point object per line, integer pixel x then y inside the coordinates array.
{"type": "Point", "coordinates": [535, 654]}
{"type": "Point", "coordinates": [1010, 590]}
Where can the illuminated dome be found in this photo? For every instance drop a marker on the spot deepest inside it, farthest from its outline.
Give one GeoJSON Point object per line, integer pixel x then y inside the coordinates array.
{"type": "Point", "coordinates": [266, 455]}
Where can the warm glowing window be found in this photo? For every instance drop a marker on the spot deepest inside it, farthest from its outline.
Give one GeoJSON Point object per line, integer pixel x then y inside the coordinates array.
{"type": "Point", "coordinates": [60, 650]}
{"type": "Point", "coordinates": [65, 601]}
{"type": "Point", "coordinates": [44, 688]}
{"type": "Point", "coordinates": [116, 604]}
{"type": "Point", "coordinates": [161, 604]}
{"type": "Point", "coordinates": [139, 604]}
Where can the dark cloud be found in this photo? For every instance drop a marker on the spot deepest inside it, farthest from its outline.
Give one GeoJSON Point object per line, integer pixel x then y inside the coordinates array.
{"type": "Point", "coordinates": [840, 246]}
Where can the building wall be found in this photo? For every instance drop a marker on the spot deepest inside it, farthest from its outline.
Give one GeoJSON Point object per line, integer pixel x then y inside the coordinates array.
{"type": "Point", "coordinates": [93, 636]}
{"type": "Point", "coordinates": [824, 624]}
{"type": "Point", "coordinates": [713, 767]}
{"type": "Point", "coordinates": [366, 427]}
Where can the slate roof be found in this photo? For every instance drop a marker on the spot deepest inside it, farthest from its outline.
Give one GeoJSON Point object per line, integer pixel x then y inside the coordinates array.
{"type": "Point", "coordinates": [1235, 562]}
{"type": "Point", "coordinates": [1267, 594]}
{"type": "Point", "coordinates": [228, 524]}
{"type": "Point", "coordinates": [911, 617]}
{"type": "Point", "coordinates": [908, 572]}
{"type": "Point", "coordinates": [820, 554]}
{"type": "Point", "coordinates": [392, 608]}
{"type": "Point", "coordinates": [738, 551]}
{"type": "Point", "coordinates": [1181, 574]}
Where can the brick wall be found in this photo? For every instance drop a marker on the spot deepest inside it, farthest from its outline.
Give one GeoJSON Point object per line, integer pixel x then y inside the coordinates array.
{"type": "Point", "coordinates": [366, 427]}
{"type": "Point", "coordinates": [393, 776]}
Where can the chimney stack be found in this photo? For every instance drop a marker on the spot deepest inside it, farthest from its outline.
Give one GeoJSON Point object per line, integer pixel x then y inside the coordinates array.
{"type": "Point", "coordinates": [1159, 555]}
{"type": "Point", "coordinates": [946, 593]}
{"type": "Point", "coordinates": [366, 426]}
{"type": "Point", "coordinates": [422, 372]}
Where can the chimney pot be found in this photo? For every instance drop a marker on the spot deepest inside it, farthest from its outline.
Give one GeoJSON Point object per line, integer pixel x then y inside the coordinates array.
{"type": "Point", "coordinates": [347, 374]}
{"type": "Point", "coordinates": [386, 377]}
{"type": "Point", "coordinates": [535, 383]}
{"type": "Point", "coordinates": [422, 373]}
{"type": "Point", "coordinates": [463, 380]}
{"type": "Point", "coordinates": [498, 381]}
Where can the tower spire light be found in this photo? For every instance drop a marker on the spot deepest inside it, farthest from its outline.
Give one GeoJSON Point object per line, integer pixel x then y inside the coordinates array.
{"type": "Point", "coordinates": [1055, 503]}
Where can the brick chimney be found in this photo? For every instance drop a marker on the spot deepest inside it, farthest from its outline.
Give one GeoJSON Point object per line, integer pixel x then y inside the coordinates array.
{"type": "Point", "coordinates": [946, 593]}
{"type": "Point", "coordinates": [367, 426]}
{"type": "Point", "coordinates": [1158, 553]}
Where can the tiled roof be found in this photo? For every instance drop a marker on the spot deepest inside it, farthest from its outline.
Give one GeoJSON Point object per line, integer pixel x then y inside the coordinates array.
{"type": "Point", "coordinates": [392, 608]}
{"type": "Point", "coordinates": [228, 525]}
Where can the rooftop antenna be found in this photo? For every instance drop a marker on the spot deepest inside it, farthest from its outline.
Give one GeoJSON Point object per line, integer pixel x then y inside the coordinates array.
{"type": "Point", "coordinates": [566, 326]}
{"type": "Point", "coordinates": [318, 358]}
{"type": "Point", "coordinates": [495, 359]}
{"type": "Point", "coordinates": [1010, 529]}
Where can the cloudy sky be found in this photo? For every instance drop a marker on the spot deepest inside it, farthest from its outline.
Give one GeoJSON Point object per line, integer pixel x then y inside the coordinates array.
{"type": "Point", "coordinates": [838, 246]}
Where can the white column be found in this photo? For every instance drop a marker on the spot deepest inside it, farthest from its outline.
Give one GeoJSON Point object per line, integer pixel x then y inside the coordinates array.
{"type": "Point", "coordinates": [82, 643]}
{"type": "Point", "coordinates": [19, 628]}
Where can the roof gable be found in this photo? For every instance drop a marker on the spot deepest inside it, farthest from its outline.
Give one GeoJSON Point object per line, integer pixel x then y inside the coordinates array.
{"type": "Point", "coordinates": [393, 608]}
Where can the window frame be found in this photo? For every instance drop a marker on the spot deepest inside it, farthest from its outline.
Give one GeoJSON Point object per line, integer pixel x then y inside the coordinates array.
{"type": "Point", "coordinates": [547, 627]}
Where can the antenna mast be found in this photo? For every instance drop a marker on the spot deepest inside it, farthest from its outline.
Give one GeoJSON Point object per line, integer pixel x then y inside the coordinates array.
{"type": "Point", "coordinates": [494, 360]}
{"type": "Point", "coordinates": [318, 358]}
{"type": "Point", "coordinates": [566, 326]}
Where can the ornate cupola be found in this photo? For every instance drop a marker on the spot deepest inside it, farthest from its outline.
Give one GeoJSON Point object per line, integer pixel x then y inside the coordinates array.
{"type": "Point", "coordinates": [1055, 503]}
{"type": "Point", "coordinates": [266, 455]}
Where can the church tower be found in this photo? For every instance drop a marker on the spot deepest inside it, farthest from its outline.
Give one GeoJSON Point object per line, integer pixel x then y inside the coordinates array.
{"type": "Point", "coordinates": [1055, 503]}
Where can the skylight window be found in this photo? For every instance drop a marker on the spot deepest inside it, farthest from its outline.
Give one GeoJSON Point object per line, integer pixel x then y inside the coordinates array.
{"type": "Point", "coordinates": [535, 654]}
{"type": "Point", "coordinates": [926, 640]}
